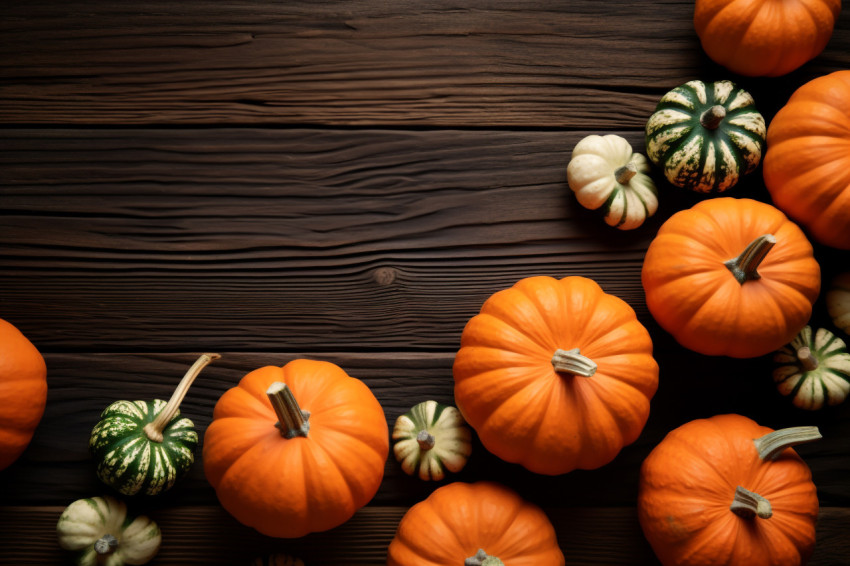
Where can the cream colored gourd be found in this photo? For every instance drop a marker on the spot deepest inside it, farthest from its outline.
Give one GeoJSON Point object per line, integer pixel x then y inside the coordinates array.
{"type": "Point", "coordinates": [838, 301]}
{"type": "Point", "coordinates": [100, 533]}
{"type": "Point", "coordinates": [430, 439]}
{"type": "Point", "coordinates": [604, 173]}
{"type": "Point", "coordinates": [814, 369]}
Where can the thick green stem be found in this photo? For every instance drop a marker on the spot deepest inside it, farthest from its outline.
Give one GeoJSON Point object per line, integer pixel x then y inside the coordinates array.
{"type": "Point", "coordinates": [770, 446]}
{"type": "Point", "coordinates": [625, 173]}
{"type": "Point", "coordinates": [481, 558]}
{"type": "Point", "coordinates": [107, 544]}
{"type": "Point", "coordinates": [154, 429]}
{"type": "Point", "coordinates": [426, 440]}
{"type": "Point", "coordinates": [571, 361]}
{"type": "Point", "coordinates": [292, 421]}
{"type": "Point", "coordinates": [745, 266]}
{"type": "Point", "coordinates": [712, 117]}
{"type": "Point", "coordinates": [807, 359]}
{"type": "Point", "coordinates": [748, 504]}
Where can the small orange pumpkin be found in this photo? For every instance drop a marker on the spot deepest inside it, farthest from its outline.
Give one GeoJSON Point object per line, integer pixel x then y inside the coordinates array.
{"type": "Point", "coordinates": [555, 374]}
{"type": "Point", "coordinates": [764, 38]}
{"type": "Point", "coordinates": [297, 449]}
{"type": "Point", "coordinates": [725, 490]}
{"type": "Point", "coordinates": [807, 165]}
{"type": "Point", "coordinates": [23, 392]}
{"type": "Point", "coordinates": [731, 277]}
{"type": "Point", "coordinates": [479, 524]}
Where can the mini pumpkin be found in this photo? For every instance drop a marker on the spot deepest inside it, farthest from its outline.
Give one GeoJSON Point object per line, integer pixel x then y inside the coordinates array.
{"type": "Point", "coordinates": [430, 439]}
{"type": "Point", "coordinates": [144, 447]}
{"type": "Point", "coordinates": [807, 165]}
{"type": "Point", "coordinates": [731, 277]}
{"type": "Point", "coordinates": [838, 301]}
{"type": "Point", "coordinates": [555, 374]}
{"type": "Point", "coordinates": [706, 136]}
{"type": "Point", "coordinates": [23, 392]}
{"type": "Point", "coordinates": [479, 524]}
{"type": "Point", "coordinates": [760, 38]}
{"type": "Point", "coordinates": [814, 369]}
{"type": "Point", "coordinates": [725, 490]}
{"type": "Point", "coordinates": [99, 532]}
{"type": "Point", "coordinates": [604, 173]}
{"type": "Point", "coordinates": [296, 449]}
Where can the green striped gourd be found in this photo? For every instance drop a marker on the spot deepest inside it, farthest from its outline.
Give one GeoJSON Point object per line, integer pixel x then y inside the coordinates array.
{"type": "Point", "coordinates": [605, 174]}
{"type": "Point", "coordinates": [99, 532]}
{"type": "Point", "coordinates": [814, 369]}
{"type": "Point", "coordinates": [838, 301]}
{"type": "Point", "coordinates": [144, 447]}
{"type": "Point", "coordinates": [277, 560]}
{"type": "Point", "coordinates": [430, 439]}
{"type": "Point", "coordinates": [705, 136]}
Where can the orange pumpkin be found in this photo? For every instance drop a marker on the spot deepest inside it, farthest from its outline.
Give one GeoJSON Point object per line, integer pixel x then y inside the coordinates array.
{"type": "Point", "coordinates": [731, 277]}
{"type": "Point", "coordinates": [555, 374]}
{"type": "Point", "coordinates": [297, 449]}
{"type": "Point", "coordinates": [725, 490]}
{"type": "Point", "coordinates": [807, 165]}
{"type": "Point", "coordinates": [23, 392]}
{"type": "Point", "coordinates": [764, 38]}
{"type": "Point", "coordinates": [475, 524]}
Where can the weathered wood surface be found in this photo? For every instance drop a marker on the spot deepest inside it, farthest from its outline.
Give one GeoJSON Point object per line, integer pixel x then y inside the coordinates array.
{"type": "Point", "coordinates": [577, 64]}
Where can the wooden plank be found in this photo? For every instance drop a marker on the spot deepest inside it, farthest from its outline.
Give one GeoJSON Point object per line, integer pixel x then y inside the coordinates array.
{"type": "Point", "coordinates": [247, 239]}
{"type": "Point", "coordinates": [581, 64]}
{"type": "Point", "coordinates": [57, 468]}
{"type": "Point", "coordinates": [207, 535]}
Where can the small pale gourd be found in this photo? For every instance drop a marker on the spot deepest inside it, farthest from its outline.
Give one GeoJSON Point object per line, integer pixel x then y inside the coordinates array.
{"type": "Point", "coordinates": [277, 560]}
{"type": "Point", "coordinates": [814, 369]}
{"type": "Point", "coordinates": [605, 173]}
{"type": "Point", "coordinates": [430, 439]}
{"type": "Point", "coordinates": [100, 533]}
{"type": "Point", "coordinates": [838, 301]}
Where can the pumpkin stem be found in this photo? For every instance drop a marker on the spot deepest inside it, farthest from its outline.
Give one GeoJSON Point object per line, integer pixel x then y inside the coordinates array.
{"type": "Point", "coordinates": [748, 504]}
{"type": "Point", "coordinates": [481, 558]}
{"type": "Point", "coordinates": [771, 445]}
{"type": "Point", "coordinates": [625, 173]}
{"type": "Point", "coordinates": [712, 117]}
{"type": "Point", "coordinates": [571, 361]}
{"type": "Point", "coordinates": [426, 440]}
{"type": "Point", "coordinates": [154, 429]}
{"type": "Point", "coordinates": [807, 359]}
{"type": "Point", "coordinates": [292, 421]}
{"type": "Point", "coordinates": [744, 267]}
{"type": "Point", "coordinates": [106, 544]}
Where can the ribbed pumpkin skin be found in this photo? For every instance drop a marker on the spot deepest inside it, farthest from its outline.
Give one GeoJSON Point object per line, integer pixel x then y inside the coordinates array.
{"type": "Point", "coordinates": [290, 487]}
{"type": "Point", "coordinates": [764, 38]}
{"type": "Point", "coordinates": [807, 166]}
{"type": "Point", "coordinates": [128, 461]}
{"type": "Point", "coordinates": [687, 485]}
{"type": "Point", "coordinates": [694, 296]}
{"type": "Point", "coordinates": [23, 392]}
{"type": "Point", "coordinates": [458, 519]}
{"type": "Point", "coordinates": [699, 158]}
{"type": "Point", "coordinates": [526, 412]}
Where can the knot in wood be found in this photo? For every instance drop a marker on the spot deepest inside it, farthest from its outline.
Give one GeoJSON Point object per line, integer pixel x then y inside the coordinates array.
{"type": "Point", "coordinates": [384, 275]}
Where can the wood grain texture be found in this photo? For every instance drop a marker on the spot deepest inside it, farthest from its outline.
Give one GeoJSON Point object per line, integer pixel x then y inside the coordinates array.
{"type": "Point", "coordinates": [207, 535]}
{"type": "Point", "coordinates": [578, 64]}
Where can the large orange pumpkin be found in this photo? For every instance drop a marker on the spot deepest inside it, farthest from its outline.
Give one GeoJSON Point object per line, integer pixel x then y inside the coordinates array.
{"type": "Point", "coordinates": [475, 524]}
{"type": "Point", "coordinates": [297, 449]}
{"type": "Point", "coordinates": [731, 277]}
{"type": "Point", "coordinates": [23, 392]}
{"type": "Point", "coordinates": [555, 374]}
{"type": "Point", "coordinates": [807, 165]}
{"type": "Point", "coordinates": [764, 37]}
{"type": "Point", "coordinates": [725, 490]}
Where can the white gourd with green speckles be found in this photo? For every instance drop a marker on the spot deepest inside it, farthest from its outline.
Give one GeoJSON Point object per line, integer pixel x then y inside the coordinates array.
{"type": "Point", "coordinates": [814, 369]}
{"type": "Point", "coordinates": [430, 439]}
{"type": "Point", "coordinates": [838, 301]}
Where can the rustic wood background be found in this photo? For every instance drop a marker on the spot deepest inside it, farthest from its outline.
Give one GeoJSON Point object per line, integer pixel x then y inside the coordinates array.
{"type": "Point", "coordinates": [346, 181]}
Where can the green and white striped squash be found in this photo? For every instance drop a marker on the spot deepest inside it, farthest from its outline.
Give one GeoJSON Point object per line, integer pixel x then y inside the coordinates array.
{"type": "Point", "coordinates": [814, 369]}
{"type": "Point", "coordinates": [838, 301]}
{"type": "Point", "coordinates": [144, 447]}
{"type": "Point", "coordinates": [99, 532]}
{"type": "Point", "coordinates": [706, 136]}
{"type": "Point", "coordinates": [430, 439]}
{"type": "Point", "coordinates": [277, 560]}
{"type": "Point", "coordinates": [604, 173]}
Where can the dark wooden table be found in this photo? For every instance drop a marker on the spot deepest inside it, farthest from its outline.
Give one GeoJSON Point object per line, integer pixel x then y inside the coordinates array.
{"type": "Point", "coordinates": [345, 181]}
